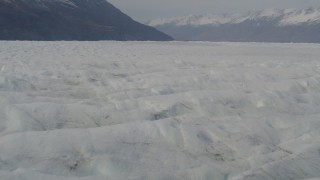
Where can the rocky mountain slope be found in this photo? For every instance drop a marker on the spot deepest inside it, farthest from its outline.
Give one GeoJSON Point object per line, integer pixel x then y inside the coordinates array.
{"type": "Point", "coordinates": [272, 25]}
{"type": "Point", "coordinates": [70, 20]}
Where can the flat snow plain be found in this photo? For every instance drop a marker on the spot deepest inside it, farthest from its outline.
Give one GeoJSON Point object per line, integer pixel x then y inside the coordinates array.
{"type": "Point", "coordinates": [159, 111]}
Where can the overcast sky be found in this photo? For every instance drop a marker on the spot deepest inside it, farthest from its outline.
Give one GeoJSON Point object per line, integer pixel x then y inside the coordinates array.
{"type": "Point", "coordinates": [144, 10]}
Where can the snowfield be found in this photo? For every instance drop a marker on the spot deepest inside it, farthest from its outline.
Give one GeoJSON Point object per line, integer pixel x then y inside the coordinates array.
{"type": "Point", "coordinates": [159, 111]}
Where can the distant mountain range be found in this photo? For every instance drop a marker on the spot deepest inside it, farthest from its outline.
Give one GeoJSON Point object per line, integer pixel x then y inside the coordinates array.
{"type": "Point", "coordinates": [70, 20]}
{"type": "Point", "coordinates": [272, 25]}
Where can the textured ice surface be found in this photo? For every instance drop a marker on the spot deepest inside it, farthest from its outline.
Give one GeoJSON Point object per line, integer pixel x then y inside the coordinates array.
{"type": "Point", "coordinates": [145, 110]}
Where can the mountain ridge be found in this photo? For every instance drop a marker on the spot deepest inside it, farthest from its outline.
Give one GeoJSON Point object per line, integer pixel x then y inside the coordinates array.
{"type": "Point", "coordinates": [272, 25]}
{"type": "Point", "coordinates": [70, 20]}
{"type": "Point", "coordinates": [285, 15]}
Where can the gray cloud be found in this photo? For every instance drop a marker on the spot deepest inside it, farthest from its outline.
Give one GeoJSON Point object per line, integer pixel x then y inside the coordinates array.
{"type": "Point", "coordinates": [143, 10]}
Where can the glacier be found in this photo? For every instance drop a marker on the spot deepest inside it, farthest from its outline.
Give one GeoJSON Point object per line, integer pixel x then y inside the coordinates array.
{"type": "Point", "coordinates": [159, 110]}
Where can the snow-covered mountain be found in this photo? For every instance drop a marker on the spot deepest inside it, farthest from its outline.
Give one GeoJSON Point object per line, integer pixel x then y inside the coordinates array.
{"type": "Point", "coordinates": [70, 20]}
{"type": "Point", "coordinates": [283, 17]}
{"type": "Point", "coordinates": [279, 25]}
